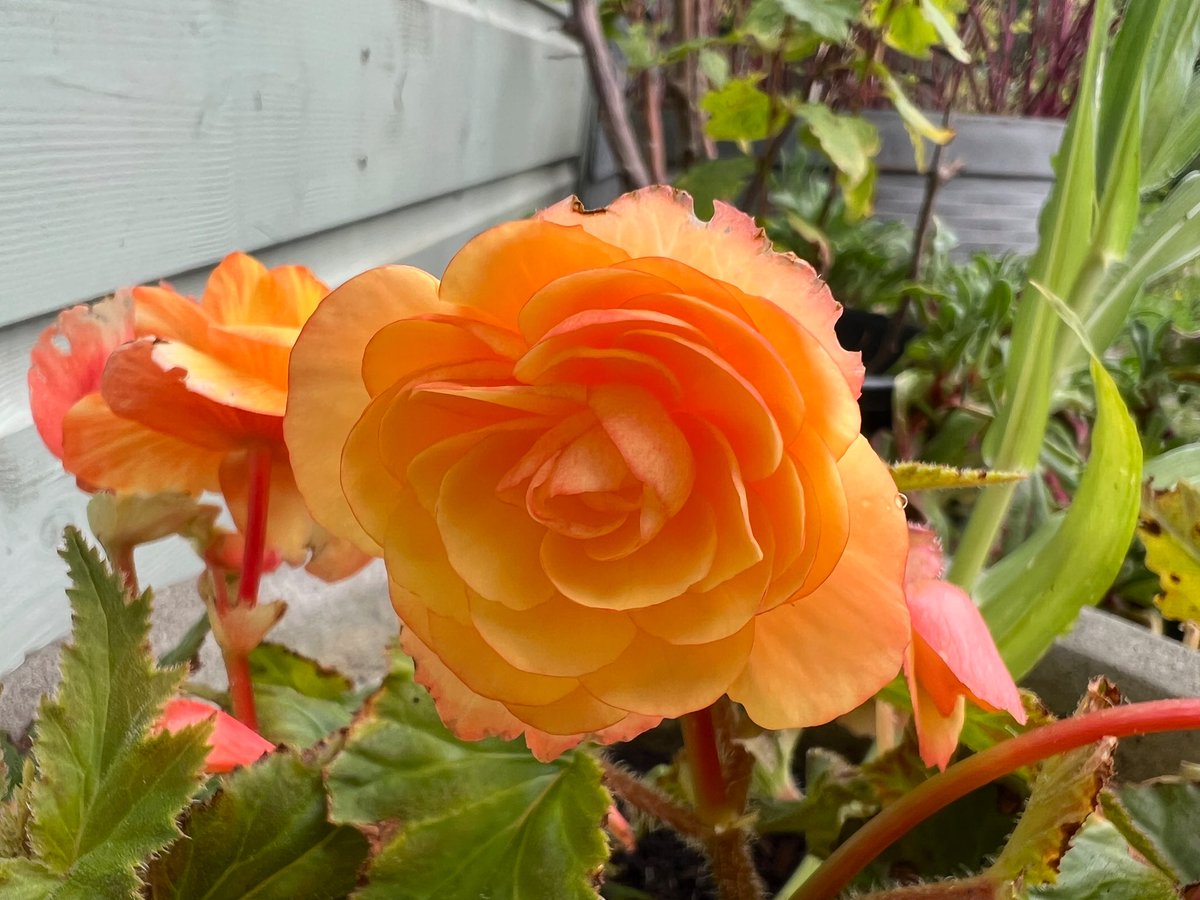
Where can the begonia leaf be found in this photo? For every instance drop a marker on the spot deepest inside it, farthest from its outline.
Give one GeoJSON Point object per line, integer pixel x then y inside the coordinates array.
{"type": "Point", "coordinates": [1100, 864]}
{"type": "Point", "coordinates": [850, 142]}
{"type": "Point", "coordinates": [739, 111]}
{"type": "Point", "coordinates": [1161, 820]}
{"type": "Point", "coordinates": [1169, 528]}
{"type": "Point", "coordinates": [717, 179]}
{"type": "Point", "coordinates": [1064, 793]}
{"type": "Point", "coordinates": [108, 788]}
{"type": "Point", "coordinates": [922, 476]}
{"type": "Point", "coordinates": [26, 879]}
{"type": "Point", "coordinates": [265, 835]}
{"type": "Point", "coordinates": [831, 19]}
{"type": "Point", "coordinates": [472, 819]}
{"type": "Point", "coordinates": [299, 700]}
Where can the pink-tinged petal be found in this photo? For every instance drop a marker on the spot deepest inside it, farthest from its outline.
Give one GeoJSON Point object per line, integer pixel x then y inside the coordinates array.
{"type": "Point", "coordinates": [104, 451]}
{"type": "Point", "coordinates": [659, 221]}
{"type": "Point", "coordinates": [231, 743]}
{"type": "Point", "coordinates": [949, 623]}
{"type": "Point", "coordinates": [496, 273]}
{"type": "Point", "coordinates": [68, 361]}
{"type": "Point", "coordinates": [136, 386]}
{"type": "Point", "coordinates": [327, 395]}
{"type": "Point", "coordinates": [855, 624]}
{"type": "Point", "coordinates": [925, 558]}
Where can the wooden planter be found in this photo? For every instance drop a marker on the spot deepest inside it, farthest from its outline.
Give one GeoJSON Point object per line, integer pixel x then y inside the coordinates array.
{"type": "Point", "coordinates": [994, 201]}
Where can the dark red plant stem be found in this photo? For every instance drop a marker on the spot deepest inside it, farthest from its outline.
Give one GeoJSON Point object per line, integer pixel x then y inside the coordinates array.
{"type": "Point", "coordinates": [713, 804]}
{"type": "Point", "coordinates": [237, 665]}
{"type": "Point", "coordinates": [974, 772]}
{"type": "Point", "coordinates": [257, 505]}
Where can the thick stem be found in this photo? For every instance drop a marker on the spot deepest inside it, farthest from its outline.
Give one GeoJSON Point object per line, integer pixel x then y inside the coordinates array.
{"type": "Point", "coordinates": [974, 772]}
{"type": "Point", "coordinates": [713, 803]}
{"type": "Point", "coordinates": [257, 506]}
{"type": "Point", "coordinates": [237, 664]}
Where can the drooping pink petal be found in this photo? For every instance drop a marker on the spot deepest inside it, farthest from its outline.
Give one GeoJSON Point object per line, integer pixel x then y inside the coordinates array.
{"type": "Point", "coordinates": [232, 743]}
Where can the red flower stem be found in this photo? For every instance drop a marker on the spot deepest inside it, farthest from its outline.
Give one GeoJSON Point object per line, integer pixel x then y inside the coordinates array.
{"type": "Point", "coordinates": [237, 665]}
{"type": "Point", "coordinates": [975, 771]}
{"type": "Point", "coordinates": [257, 504]}
{"type": "Point", "coordinates": [704, 762]}
{"type": "Point", "coordinates": [122, 561]}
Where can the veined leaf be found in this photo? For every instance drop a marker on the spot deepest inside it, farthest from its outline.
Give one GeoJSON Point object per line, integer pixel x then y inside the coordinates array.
{"type": "Point", "coordinates": [265, 835]}
{"type": "Point", "coordinates": [1178, 147]}
{"type": "Point", "coordinates": [1170, 530]}
{"type": "Point", "coordinates": [922, 476]}
{"type": "Point", "coordinates": [1161, 820]}
{"type": "Point", "coordinates": [830, 19]}
{"type": "Point", "coordinates": [299, 700]}
{"type": "Point", "coordinates": [1035, 593]}
{"type": "Point", "coordinates": [478, 819]}
{"type": "Point", "coordinates": [1180, 464]}
{"type": "Point", "coordinates": [739, 111]}
{"type": "Point", "coordinates": [717, 179]}
{"type": "Point", "coordinates": [919, 127]}
{"type": "Point", "coordinates": [108, 791]}
{"type": "Point", "coordinates": [26, 879]}
{"type": "Point", "coordinates": [1099, 864]}
{"type": "Point", "coordinates": [850, 142]}
{"type": "Point", "coordinates": [1171, 92]}
{"type": "Point", "coordinates": [1065, 791]}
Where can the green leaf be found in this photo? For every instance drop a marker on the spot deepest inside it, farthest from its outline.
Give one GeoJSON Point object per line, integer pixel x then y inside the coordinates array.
{"type": "Point", "coordinates": [909, 30]}
{"type": "Point", "coordinates": [478, 819]}
{"type": "Point", "coordinates": [299, 701]}
{"type": "Point", "coordinates": [14, 815]}
{"type": "Point", "coordinates": [718, 179]}
{"type": "Point", "coordinates": [264, 835]}
{"type": "Point", "coordinates": [187, 651]}
{"type": "Point", "coordinates": [1180, 464]}
{"type": "Point", "coordinates": [715, 66]}
{"type": "Point", "coordinates": [939, 13]}
{"type": "Point", "coordinates": [1035, 593]}
{"type": "Point", "coordinates": [850, 142]}
{"type": "Point", "coordinates": [1172, 97]}
{"type": "Point", "coordinates": [1065, 791]}
{"type": "Point", "coordinates": [1170, 531]}
{"type": "Point", "coordinates": [923, 476]}
{"type": "Point", "coordinates": [830, 19]}
{"type": "Point", "coordinates": [1179, 146]}
{"type": "Point", "coordinates": [108, 791]}
{"type": "Point", "coordinates": [859, 196]}
{"type": "Point", "coordinates": [739, 111]}
{"type": "Point", "coordinates": [1161, 819]}
{"type": "Point", "coordinates": [919, 127]}
{"type": "Point", "coordinates": [25, 879]}
{"type": "Point", "coordinates": [1099, 864]}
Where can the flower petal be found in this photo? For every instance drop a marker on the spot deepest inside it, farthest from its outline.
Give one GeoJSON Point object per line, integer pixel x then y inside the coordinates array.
{"type": "Point", "coordinates": [231, 744]}
{"type": "Point", "coordinates": [229, 295]}
{"type": "Point", "coordinates": [289, 525]}
{"type": "Point", "coordinates": [327, 395]}
{"type": "Point", "coordinates": [855, 624]}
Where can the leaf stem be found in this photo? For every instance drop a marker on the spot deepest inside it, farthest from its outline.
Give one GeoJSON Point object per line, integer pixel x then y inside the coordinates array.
{"type": "Point", "coordinates": [960, 779]}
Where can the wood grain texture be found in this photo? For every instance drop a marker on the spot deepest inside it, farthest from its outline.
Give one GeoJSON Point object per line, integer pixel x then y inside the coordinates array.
{"type": "Point", "coordinates": [142, 138]}
{"type": "Point", "coordinates": [37, 499]}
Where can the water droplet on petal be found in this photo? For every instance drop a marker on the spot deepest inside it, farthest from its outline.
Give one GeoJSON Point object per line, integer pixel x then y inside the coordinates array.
{"type": "Point", "coordinates": [901, 501]}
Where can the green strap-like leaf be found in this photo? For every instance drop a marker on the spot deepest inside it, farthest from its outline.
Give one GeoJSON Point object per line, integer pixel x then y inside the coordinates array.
{"type": "Point", "coordinates": [476, 820]}
{"type": "Point", "coordinates": [265, 835]}
{"type": "Point", "coordinates": [108, 792]}
{"type": "Point", "coordinates": [1035, 593]}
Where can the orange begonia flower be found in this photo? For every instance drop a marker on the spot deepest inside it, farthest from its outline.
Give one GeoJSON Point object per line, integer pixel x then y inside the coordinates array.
{"type": "Point", "coordinates": [231, 744]}
{"type": "Point", "coordinates": [612, 461]}
{"type": "Point", "coordinates": [152, 391]}
{"type": "Point", "coordinates": [952, 658]}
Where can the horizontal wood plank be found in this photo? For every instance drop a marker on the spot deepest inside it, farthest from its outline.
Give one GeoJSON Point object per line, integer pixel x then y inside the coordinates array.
{"type": "Point", "coordinates": [37, 499]}
{"type": "Point", "coordinates": [142, 138]}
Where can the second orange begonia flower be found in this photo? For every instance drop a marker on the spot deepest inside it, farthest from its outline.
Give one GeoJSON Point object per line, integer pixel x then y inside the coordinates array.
{"type": "Point", "coordinates": [152, 391]}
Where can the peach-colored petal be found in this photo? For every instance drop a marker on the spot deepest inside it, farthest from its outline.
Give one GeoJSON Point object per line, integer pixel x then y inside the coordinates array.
{"type": "Point", "coordinates": [937, 732]}
{"type": "Point", "coordinates": [229, 295]}
{"type": "Point", "coordinates": [68, 360]}
{"type": "Point", "coordinates": [655, 678]}
{"type": "Point", "coordinates": [497, 272]}
{"type": "Point", "coordinates": [301, 291]}
{"type": "Point", "coordinates": [105, 451]}
{"type": "Point", "coordinates": [719, 480]}
{"type": "Point", "coordinates": [855, 624]}
{"type": "Point", "coordinates": [545, 638]}
{"type": "Point", "coordinates": [578, 713]}
{"type": "Point", "coordinates": [258, 352]}
{"type": "Point", "coordinates": [231, 744]}
{"type": "Point", "coordinates": [137, 387]}
{"type": "Point", "coordinates": [327, 395]}
{"type": "Point", "coordinates": [588, 290]}
{"type": "Point", "coordinates": [161, 313]}
{"type": "Point", "coordinates": [701, 617]}
{"type": "Point", "coordinates": [659, 221]}
{"type": "Point", "coordinates": [402, 349]}
{"type": "Point", "coordinates": [949, 623]}
{"type": "Point", "coordinates": [217, 380]}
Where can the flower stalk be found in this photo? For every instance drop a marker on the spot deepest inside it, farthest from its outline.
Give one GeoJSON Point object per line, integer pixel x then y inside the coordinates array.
{"type": "Point", "coordinates": [257, 506]}
{"type": "Point", "coordinates": [976, 771]}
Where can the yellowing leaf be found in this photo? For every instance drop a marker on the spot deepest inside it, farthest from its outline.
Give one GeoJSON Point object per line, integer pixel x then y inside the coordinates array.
{"type": "Point", "coordinates": [739, 111]}
{"type": "Point", "coordinates": [923, 476]}
{"type": "Point", "coordinates": [917, 125]}
{"type": "Point", "coordinates": [1170, 530]}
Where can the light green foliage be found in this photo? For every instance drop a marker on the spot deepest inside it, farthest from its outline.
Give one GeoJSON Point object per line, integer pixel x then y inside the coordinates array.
{"type": "Point", "coordinates": [1170, 530]}
{"type": "Point", "coordinates": [299, 701]}
{"type": "Point", "coordinates": [914, 27]}
{"type": "Point", "coordinates": [1035, 593]}
{"type": "Point", "coordinates": [828, 19]}
{"type": "Point", "coordinates": [265, 835]}
{"type": "Point", "coordinates": [473, 819]}
{"type": "Point", "coordinates": [1100, 864]}
{"type": "Point", "coordinates": [922, 476]}
{"type": "Point", "coordinates": [107, 790]}
{"type": "Point", "coordinates": [1161, 820]}
{"type": "Point", "coordinates": [916, 123]}
{"type": "Point", "coordinates": [718, 179]}
{"type": "Point", "coordinates": [739, 111]}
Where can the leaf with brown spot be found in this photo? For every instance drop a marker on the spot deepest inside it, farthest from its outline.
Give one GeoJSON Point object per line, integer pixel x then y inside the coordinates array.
{"type": "Point", "coordinates": [922, 476]}
{"type": "Point", "coordinates": [1065, 791]}
{"type": "Point", "coordinates": [1170, 530]}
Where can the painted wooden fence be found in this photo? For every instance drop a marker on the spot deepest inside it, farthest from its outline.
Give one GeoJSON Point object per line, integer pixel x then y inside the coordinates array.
{"type": "Point", "coordinates": [145, 139]}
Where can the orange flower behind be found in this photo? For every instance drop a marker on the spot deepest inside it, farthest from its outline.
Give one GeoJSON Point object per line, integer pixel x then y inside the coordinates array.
{"type": "Point", "coordinates": [155, 392]}
{"type": "Point", "coordinates": [612, 461]}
